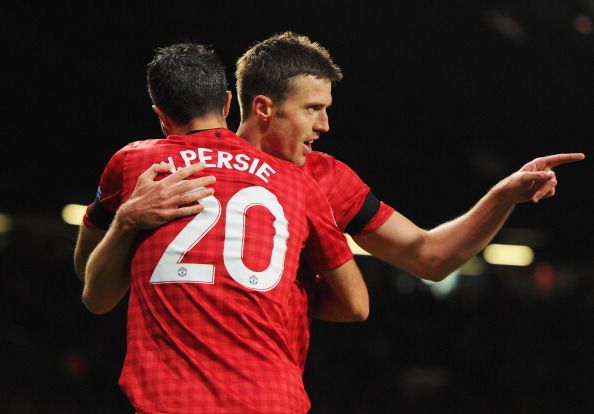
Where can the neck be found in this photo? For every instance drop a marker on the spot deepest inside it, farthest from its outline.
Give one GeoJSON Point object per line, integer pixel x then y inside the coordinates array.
{"type": "Point", "coordinates": [207, 122]}
{"type": "Point", "coordinates": [251, 132]}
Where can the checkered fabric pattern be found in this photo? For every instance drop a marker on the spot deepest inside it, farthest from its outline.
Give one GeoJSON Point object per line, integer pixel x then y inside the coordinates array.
{"type": "Point", "coordinates": [220, 345]}
{"type": "Point", "coordinates": [346, 193]}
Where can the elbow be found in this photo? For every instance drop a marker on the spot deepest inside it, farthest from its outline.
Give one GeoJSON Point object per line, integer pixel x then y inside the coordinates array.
{"type": "Point", "coordinates": [80, 276]}
{"type": "Point", "coordinates": [94, 306]}
{"type": "Point", "coordinates": [359, 312]}
{"type": "Point", "coordinates": [79, 270]}
{"type": "Point", "coordinates": [433, 268]}
{"type": "Point", "coordinates": [96, 309]}
{"type": "Point", "coordinates": [440, 268]}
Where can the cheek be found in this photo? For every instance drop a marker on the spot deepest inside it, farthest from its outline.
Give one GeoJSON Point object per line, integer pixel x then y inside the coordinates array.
{"type": "Point", "coordinates": [300, 127]}
{"type": "Point", "coordinates": [289, 133]}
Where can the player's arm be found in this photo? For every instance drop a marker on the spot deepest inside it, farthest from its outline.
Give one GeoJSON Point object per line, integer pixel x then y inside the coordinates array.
{"type": "Point", "coordinates": [151, 204]}
{"type": "Point", "coordinates": [433, 254]}
{"type": "Point", "coordinates": [106, 257]}
{"type": "Point", "coordinates": [107, 271]}
{"type": "Point", "coordinates": [88, 239]}
{"type": "Point", "coordinates": [342, 296]}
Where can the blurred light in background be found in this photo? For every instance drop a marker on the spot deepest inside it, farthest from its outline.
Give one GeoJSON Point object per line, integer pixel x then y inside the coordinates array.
{"type": "Point", "coordinates": [474, 267]}
{"type": "Point", "coordinates": [355, 247]}
{"type": "Point", "coordinates": [73, 213]}
{"type": "Point", "coordinates": [545, 279]}
{"type": "Point", "coordinates": [5, 223]}
{"type": "Point", "coordinates": [444, 287]}
{"type": "Point", "coordinates": [583, 24]}
{"type": "Point", "coordinates": [508, 254]}
{"type": "Point", "coordinates": [507, 25]}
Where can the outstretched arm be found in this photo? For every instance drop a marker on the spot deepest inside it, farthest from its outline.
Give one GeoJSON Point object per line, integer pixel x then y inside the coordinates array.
{"type": "Point", "coordinates": [433, 254]}
{"type": "Point", "coordinates": [102, 259]}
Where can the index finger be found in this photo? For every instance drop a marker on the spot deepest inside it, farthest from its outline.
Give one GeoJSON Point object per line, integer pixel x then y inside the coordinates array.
{"type": "Point", "coordinates": [185, 172]}
{"type": "Point", "coordinates": [154, 170]}
{"type": "Point", "coordinates": [559, 159]}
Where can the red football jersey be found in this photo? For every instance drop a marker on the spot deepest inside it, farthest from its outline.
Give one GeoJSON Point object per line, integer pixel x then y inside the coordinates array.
{"type": "Point", "coordinates": [346, 193]}
{"type": "Point", "coordinates": [208, 309]}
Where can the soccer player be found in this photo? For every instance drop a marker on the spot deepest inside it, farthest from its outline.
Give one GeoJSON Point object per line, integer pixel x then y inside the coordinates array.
{"type": "Point", "coordinates": [209, 292]}
{"type": "Point", "coordinates": [284, 87]}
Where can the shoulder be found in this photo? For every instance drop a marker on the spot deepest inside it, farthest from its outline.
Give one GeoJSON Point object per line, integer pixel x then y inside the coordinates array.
{"type": "Point", "coordinates": [137, 145]}
{"type": "Point", "coordinates": [131, 151]}
{"type": "Point", "coordinates": [317, 158]}
{"type": "Point", "coordinates": [321, 164]}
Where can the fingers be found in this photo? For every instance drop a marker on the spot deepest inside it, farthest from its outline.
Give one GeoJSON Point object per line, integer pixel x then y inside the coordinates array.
{"type": "Point", "coordinates": [177, 184]}
{"type": "Point", "coordinates": [169, 189]}
{"type": "Point", "coordinates": [155, 170]}
{"type": "Point", "coordinates": [195, 184]}
{"type": "Point", "coordinates": [546, 190]}
{"type": "Point", "coordinates": [536, 176]}
{"type": "Point", "coordinates": [552, 161]}
{"type": "Point", "coordinates": [193, 196]}
{"type": "Point", "coordinates": [185, 172]}
{"type": "Point", "coordinates": [189, 210]}
{"type": "Point", "coordinates": [542, 194]}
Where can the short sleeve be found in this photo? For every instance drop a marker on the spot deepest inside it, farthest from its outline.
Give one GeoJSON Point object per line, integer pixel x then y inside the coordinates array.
{"type": "Point", "coordinates": [356, 209]}
{"type": "Point", "coordinates": [100, 213]}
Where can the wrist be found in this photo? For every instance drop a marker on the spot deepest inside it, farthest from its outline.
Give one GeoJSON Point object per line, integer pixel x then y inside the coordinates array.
{"type": "Point", "coordinates": [501, 195]}
{"type": "Point", "coordinates": [124, 220]}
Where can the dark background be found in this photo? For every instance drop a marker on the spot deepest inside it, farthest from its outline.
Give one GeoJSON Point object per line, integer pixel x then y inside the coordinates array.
{"type": "Point", "coordinates": [440, 100]}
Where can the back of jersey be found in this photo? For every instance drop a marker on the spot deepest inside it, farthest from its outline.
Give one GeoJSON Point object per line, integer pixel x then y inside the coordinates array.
{"type": "Point", "coordinates": [207, 316]}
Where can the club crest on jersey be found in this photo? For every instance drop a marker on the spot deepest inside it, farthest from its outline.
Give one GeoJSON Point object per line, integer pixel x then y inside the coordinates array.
{"type": "Point", "coordinates": [182, 272]}
{"type": "Point", "coordinates": [254, 280]}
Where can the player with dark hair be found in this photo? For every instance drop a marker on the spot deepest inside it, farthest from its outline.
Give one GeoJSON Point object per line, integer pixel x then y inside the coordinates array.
{"type": "Point", "coordinates": [209, 292]}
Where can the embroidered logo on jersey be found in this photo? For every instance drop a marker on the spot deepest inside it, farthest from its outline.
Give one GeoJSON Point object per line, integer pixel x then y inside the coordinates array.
{"type": "Point", "coordinates": [182, 272]}
{"type": "Point", "coordinates": [254, 279]}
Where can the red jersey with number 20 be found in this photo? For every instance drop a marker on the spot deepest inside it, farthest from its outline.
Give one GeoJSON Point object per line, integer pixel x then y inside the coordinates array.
{"type": "Point", "coordinates": [208, 309]}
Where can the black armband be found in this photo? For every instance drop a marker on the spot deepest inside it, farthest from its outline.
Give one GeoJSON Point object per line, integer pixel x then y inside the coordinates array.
{"type": "Point", "coordinates": [368, 209]}
{"type": "Point", "coordinates": [100, 216]}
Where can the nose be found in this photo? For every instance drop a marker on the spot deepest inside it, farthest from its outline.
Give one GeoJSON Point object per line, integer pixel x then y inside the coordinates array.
{"type": "Point", "coordinates": [322, 122]}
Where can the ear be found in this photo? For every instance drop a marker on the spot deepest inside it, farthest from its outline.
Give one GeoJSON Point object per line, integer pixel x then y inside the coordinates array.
{"type": "Point", "coordinates": [163, 119]}
{"type": "Point", "coordinates": [262, 107]}
{"type": "Point", "coordinates": [227, 105]}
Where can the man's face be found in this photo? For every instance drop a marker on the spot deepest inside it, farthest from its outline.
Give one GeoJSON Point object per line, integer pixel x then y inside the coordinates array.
{"type": "Point", "coordinates": [298, 121]}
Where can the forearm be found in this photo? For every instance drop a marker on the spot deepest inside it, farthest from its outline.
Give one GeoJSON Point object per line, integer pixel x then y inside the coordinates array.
{"type": "Point", "coordinates": [341, 295]}
{"type": "Point", "coordinates": [453, 243]}
{"type": "Point", "coordinates": [457, 241]}
{"type": "Point", "coordinates": [433, 254]}
{"type": "Point", "coordinates": [88, 239]}
{"type": "Point", "coordinates": [107, 274]}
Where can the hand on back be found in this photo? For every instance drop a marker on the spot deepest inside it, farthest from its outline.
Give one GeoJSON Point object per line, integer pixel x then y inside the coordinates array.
{"type": "Point", "coordinates": [154, 203]}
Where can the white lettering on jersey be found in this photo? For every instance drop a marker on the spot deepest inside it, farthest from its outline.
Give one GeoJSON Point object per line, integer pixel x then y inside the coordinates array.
{"type": "Point", "coordinates": [222, 159]}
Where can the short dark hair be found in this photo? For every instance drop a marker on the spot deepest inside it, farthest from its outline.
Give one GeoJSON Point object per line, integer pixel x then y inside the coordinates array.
{"type": "Point", "coordinates": [187, 81]}
{"type": "Point", "coordinates": [269, 67]}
